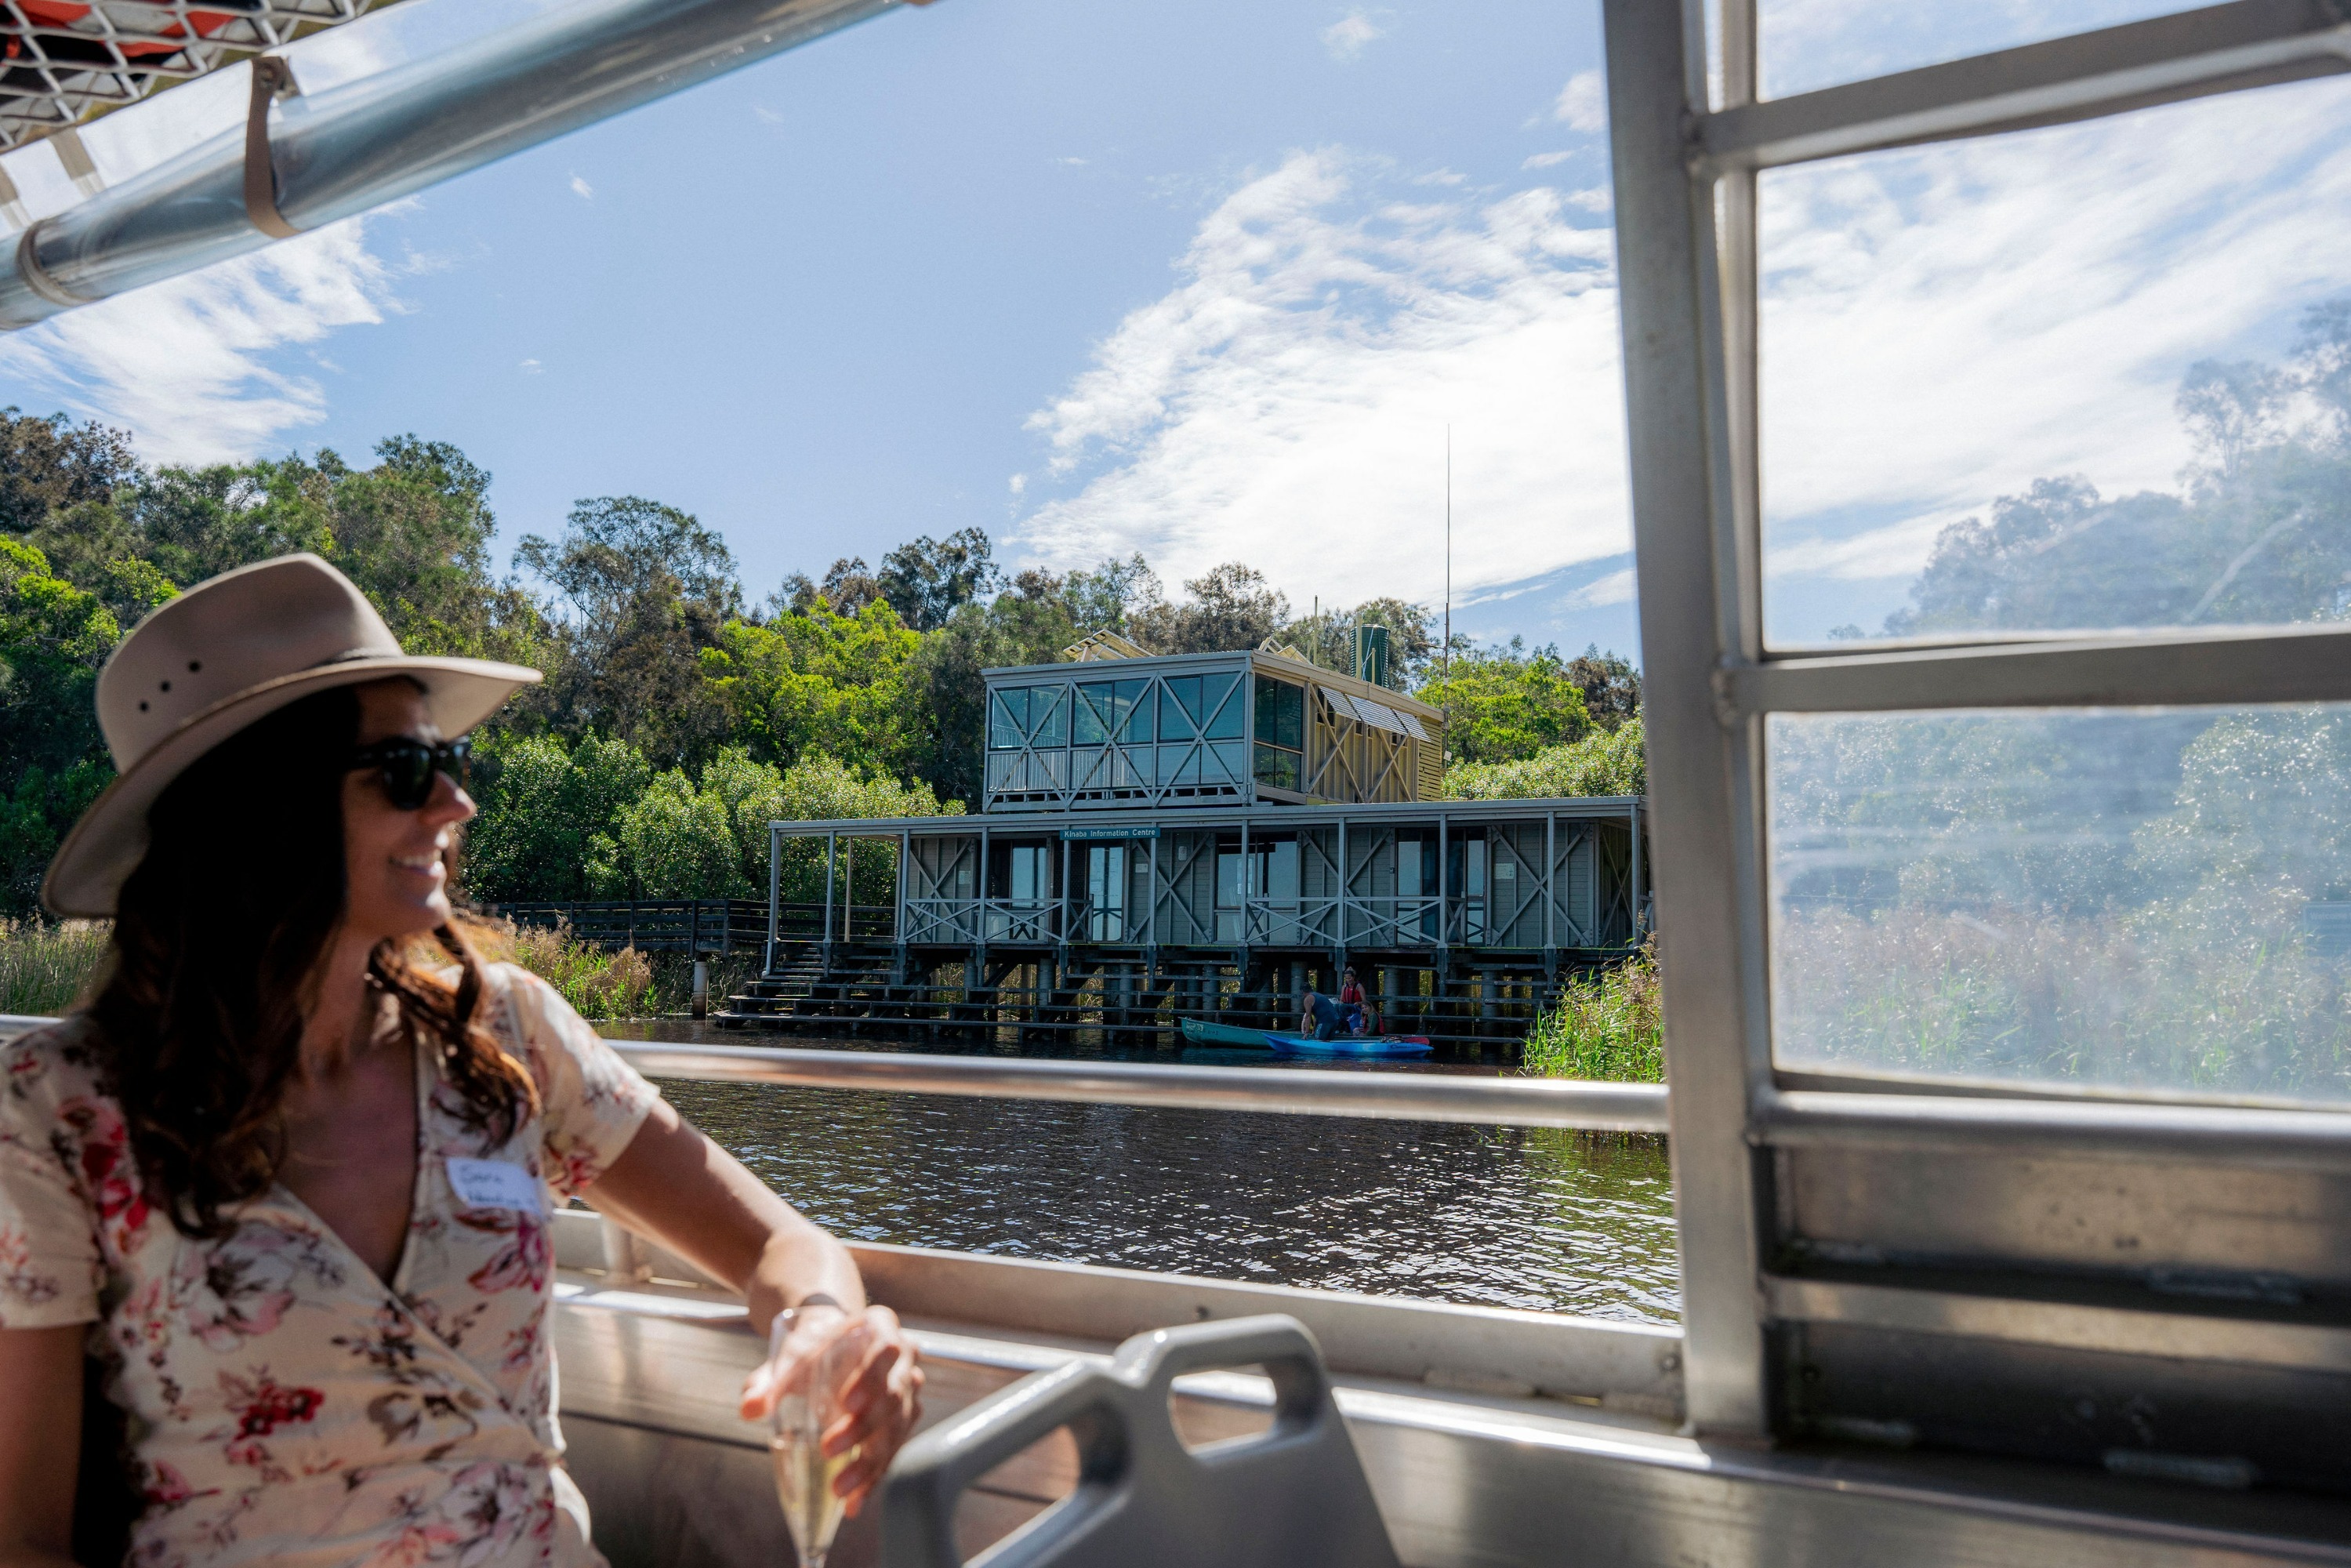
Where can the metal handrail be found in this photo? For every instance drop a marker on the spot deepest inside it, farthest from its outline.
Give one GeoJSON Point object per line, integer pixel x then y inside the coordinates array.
{"type": "Point", "coordinates": [1305, 1091]}
{"type": "Point", "coordinates": [352, 148]}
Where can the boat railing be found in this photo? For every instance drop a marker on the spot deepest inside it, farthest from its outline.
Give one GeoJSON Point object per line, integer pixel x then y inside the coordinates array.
{"type": "Point", "coordinates": [1495, 1101]}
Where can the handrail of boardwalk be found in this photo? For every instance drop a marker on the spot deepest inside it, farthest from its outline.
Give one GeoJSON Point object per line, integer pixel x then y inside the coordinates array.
{"type": "Point", "coordinates": [1303, 1092]}
{"type": "Point", "coordinates": [1297, 1091]}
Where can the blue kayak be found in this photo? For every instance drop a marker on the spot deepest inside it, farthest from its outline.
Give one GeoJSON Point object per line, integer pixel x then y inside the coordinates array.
{"type": "Point", "coordinates": [1349, 1045]}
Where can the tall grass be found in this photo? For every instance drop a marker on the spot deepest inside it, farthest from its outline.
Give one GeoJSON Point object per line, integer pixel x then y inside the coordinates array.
{"type": "Point", "coordinates": [44, 967]}
{"type": "Point", "coordinates": [1605, 1026]}
{"type": "Point", "coordinates": [2153, 998]}
{"type": "Point", "coordinates": [599, 984]}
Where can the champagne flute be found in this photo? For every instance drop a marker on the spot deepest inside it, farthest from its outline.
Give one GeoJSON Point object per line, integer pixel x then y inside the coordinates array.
{"type": "Point", "coordinates": [805, 1408]}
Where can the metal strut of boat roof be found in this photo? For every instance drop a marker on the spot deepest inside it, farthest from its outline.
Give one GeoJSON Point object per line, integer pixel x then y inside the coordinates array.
{"type": "Point", "coordinates": [352, 149]}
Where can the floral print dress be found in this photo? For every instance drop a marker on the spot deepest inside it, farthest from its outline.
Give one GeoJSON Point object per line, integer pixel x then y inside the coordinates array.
{"type": "Point", "coordinates": [285, 1405]}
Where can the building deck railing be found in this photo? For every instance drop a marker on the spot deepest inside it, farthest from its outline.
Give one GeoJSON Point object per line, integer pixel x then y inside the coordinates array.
{"type": "Point", "coordinates": [677, 925]}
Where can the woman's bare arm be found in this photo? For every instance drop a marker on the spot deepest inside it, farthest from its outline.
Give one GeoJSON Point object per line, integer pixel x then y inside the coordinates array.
{"type": "Point", "coordinates": [40, 1444]}
{"type": "Point", "coordinates": [675, 1185]}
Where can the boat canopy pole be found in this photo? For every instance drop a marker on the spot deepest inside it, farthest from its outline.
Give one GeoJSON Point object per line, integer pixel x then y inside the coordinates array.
{"type": "Point", "coordinates": [354, 148]}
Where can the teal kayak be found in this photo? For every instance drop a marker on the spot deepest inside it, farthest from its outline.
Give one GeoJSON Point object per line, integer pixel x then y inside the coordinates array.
{"type": "Point", "coordinates": [1350, 1045]}
{"type": "Point", "coordinates": [1196, 1032]}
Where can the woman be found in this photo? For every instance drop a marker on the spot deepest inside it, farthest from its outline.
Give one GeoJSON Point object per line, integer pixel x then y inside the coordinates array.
{"type": "Point", "coordinates": [288, 1177]}
{"type": "Point", "coordinates": [1355, 1009]}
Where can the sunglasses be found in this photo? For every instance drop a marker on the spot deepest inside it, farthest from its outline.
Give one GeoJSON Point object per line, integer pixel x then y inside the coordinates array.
{"type": "Point", "coordinates": [407, 767]}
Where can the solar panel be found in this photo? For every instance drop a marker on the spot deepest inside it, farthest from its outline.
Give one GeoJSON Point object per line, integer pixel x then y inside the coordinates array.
{"type": "Point", "coordinates": [1378, 715]}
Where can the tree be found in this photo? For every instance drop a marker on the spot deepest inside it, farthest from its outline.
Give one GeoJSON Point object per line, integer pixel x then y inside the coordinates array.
{"type": "Point", "coordinates": [50, 464]}
{"type": "Point", "coordinates": [53, 638]}
{"type": "Point", "coordinates": [819, 682]}
{"type": "Point", "coordinates": [2259, 534]}
{"type": "Point", "coordinates": [1232, 608]}
{"type": "Point", "coordinates": [1605, 762]}
{"type": "Point", "coordinates": [944, 685]}
{"type": "Point", "coordinates": [544, 812]}
{"type": "Point", "coordinates": [1609, 685]}
{"type": "Point", "coordinates": [928, 581]}
{"type": "Point", "coordinates": [682, 838]}
{"type": "Point", "coordinates": [1505, 704]}
{"type": "Point", "coordinates": [819, 788]}
{"type": "Point", "coordinates": [414, 533]}
{"type": "Point", "coordinates": [649, 588]}
{"type": "Point", "coordinates": [849, 586]}
{"type": "Point", "coordinates": [1112, 595]}
{"type": "Point", "coordinates": [1327, 638]}
{"type": "Point", "coordinates": [675, 841]}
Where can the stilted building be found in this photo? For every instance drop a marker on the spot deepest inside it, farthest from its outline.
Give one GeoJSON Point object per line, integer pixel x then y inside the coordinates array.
{"type": "Point", "coordinates": [1201, 835]}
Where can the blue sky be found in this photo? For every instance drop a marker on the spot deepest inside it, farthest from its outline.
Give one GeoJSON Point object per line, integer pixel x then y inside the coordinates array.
{"type": "Point", "coordinates": [834, 300]}
{"type": "Point", "coordinates": [1211, 281]}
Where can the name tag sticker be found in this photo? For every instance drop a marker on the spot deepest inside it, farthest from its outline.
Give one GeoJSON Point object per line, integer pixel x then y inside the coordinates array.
{"type": "Point", "coordinates": [495, 1184]}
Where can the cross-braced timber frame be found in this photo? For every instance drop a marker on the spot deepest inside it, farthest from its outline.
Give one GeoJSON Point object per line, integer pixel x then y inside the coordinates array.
{"type": "Point", "coordinates": [1463, 917]}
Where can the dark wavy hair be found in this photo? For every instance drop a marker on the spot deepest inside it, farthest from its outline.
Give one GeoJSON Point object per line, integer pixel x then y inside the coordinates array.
{"type": "Point", "coordinates": [217, 940]}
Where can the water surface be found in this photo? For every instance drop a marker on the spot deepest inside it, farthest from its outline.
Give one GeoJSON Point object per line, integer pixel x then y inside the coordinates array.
{"type": "Point", "coordinates": [1507, 1216]}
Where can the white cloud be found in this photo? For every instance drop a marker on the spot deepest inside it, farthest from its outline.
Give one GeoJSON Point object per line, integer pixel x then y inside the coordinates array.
{"type": "Point", "coordinates": [1287, 403]}
{"type": "Point", "coordinates": [1545, 160]}
{"type": "Point", "coordinates": [531, 368]}
{"type": "Point", "coordinates": [1582, 103]}
{"type": "Point", "coordinates": [1017, 484]}
{"type": "Point", "coordinates": [582, 189]}
{"type": "Point", "coordinates": [1351, 35]}
{"type": "Point", "coordinates": [1617, 588]}
{"type": "Point", "coordinates": [184, 365]}
{"type": "Point", "coordinates": [1892, 549]}
{"type": "Point", "coordinates": [1808, 44]}
{"type": "Point", "coordinates": [765, 115]}
{"type": "Point", "coordinates": [1943, 325]}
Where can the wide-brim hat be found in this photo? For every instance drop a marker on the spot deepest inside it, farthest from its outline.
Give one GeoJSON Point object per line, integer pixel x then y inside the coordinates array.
{"type": "Point", "coordinates": [228, 651]}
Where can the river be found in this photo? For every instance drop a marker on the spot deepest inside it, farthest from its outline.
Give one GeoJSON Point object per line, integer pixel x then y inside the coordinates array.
{"type": "Point", "coordinates": [1505, 1217]}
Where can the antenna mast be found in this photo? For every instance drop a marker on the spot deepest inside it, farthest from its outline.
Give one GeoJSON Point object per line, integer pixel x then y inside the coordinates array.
{"type": "Point", "coordinates": [1446, 658]}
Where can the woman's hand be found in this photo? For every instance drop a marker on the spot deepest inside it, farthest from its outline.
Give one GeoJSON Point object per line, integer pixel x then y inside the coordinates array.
{"type": "Point", "coordinates": [880, 1390]}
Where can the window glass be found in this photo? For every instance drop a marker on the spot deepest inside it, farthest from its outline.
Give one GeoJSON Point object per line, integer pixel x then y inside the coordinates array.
{"type": "Point", "coordinates": [1277, 768]}
{"type": "Point", "coordinates": [2119, 898]}
{"type": "Point", "coordinates": [1179, 707]}
{"type": "Point", "coordinates": [1048, 716]}
{"type": "Point", "coordinates": [1802, 44]}
{"type": "Point", "coordinates": [1007, 717]}
{"type": "Point", "coordinates": [1107, 710]}
{"type": "Point", "coordinates": [1222, 715]}
{"type": "Point", "coordinates": [1281, 713]}
{"type": "Point", "coordinates": [1095, 713]}
{"type": "Point", "coordinates": [1134, 698]}
{"type": "Point", "coordinates": [1280, 875]}
{"type": "Point", "coordinates": [2093, 376]}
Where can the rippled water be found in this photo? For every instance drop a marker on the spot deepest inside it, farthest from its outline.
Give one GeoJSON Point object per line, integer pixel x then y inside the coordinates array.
{"type": "Point", "coordinates": [1494, 1215]}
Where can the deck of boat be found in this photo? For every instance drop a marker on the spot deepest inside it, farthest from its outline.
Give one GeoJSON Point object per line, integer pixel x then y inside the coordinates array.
{"type": "Point", "coordinates": [1487, 1437]}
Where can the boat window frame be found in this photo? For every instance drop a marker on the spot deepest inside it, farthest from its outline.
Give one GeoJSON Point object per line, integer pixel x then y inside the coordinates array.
{"type": "Point", "coordinates": [1686, 152]}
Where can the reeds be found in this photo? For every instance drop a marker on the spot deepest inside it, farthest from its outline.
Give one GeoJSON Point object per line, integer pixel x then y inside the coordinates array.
{"type": "Point", "coordinates": [2157, 998]}
{"type": "Point", "coordinates": [44, 969]}
{"type": "Point", "coordinates": [1605, 1026]}
{"type": "Point", "coordinates": [599, 984]}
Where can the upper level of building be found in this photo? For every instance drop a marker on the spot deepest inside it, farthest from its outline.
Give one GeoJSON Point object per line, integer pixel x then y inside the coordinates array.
{"type": "Point", "coordinates": [1119, 728]}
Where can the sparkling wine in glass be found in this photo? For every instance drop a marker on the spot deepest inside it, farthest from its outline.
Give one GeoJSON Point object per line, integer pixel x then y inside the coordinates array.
{"type": "Point", "coordinates": [804, 1408]}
